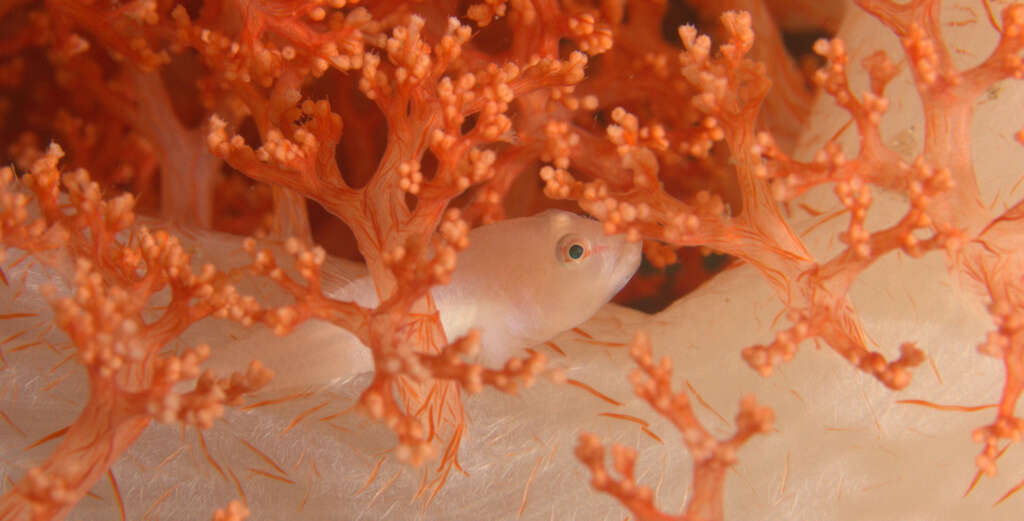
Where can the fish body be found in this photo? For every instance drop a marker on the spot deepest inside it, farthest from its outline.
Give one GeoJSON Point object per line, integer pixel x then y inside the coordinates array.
{"type": "Point", "coordinates": [522, 281]}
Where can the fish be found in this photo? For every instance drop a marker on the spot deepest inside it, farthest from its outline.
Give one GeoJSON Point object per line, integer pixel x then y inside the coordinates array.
{"type": "Point", "coordinates": [519, 283]}
{"type": "Point", "coordinates": [522, 281]}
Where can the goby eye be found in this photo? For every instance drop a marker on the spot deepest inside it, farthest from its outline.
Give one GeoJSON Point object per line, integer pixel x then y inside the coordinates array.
{"type": "Point", "coordinates": [573, 249]}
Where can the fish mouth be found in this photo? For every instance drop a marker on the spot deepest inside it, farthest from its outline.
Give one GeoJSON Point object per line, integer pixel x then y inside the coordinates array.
{"type": "Point", "coordinates": [625, 264]}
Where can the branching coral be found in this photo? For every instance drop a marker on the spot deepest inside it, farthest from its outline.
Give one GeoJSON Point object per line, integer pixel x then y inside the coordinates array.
{"type": "Point", "coordinates": [409, 124]}
{"type": "Point", "coordinates": [712, 458]}
{"type": "Point", "coordinates": [113, 283]}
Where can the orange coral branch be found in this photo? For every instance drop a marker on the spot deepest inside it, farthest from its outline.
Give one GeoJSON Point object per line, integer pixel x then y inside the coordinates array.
{"type": "Point", "coordinates": [712, 458]}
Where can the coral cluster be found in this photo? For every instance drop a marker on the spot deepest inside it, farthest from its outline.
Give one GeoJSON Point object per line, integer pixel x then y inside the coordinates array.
{"type": "Point", "coordinates": [385, 131]}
